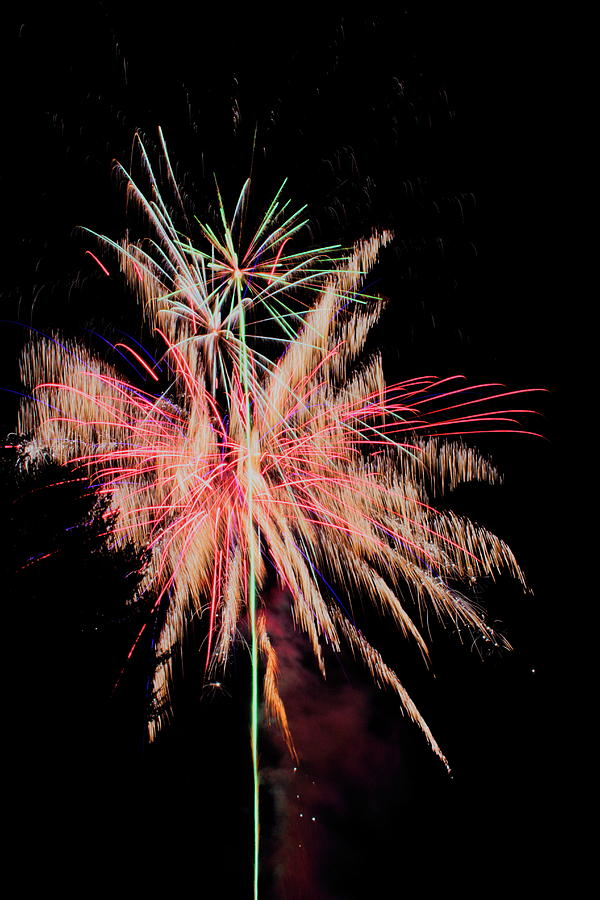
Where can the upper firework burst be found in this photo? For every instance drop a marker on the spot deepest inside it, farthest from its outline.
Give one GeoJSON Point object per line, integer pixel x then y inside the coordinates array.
{"type": "Point", "coordinates": [304, 464]}
{"type": "Point", "coordinates": [196, 290]}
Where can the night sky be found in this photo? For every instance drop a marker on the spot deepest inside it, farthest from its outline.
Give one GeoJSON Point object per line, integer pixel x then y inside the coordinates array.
{"type": "Point", "coordinates": [450, 129]}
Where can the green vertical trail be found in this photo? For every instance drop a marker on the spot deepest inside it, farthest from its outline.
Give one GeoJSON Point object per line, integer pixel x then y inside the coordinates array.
{"type": "Point", "coordinates": [251, 589]}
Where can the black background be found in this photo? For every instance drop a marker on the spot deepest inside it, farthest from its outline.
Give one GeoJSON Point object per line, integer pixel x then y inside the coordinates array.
{"type": "Point", "coordinates": [455, 128]}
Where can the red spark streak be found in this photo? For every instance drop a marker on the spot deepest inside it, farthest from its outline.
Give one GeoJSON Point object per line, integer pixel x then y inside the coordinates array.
{"type": "Point", "coordinates": [102, 266]}
{"type": "Point", "coordinates": [140, 360]}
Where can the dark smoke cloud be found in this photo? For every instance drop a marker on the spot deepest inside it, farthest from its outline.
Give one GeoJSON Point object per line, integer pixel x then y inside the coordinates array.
{"type": "Point", "coordinates": [346, 760]}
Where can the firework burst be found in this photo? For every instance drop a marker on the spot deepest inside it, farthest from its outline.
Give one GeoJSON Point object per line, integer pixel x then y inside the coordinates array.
{"type": "Point", "coordinates": [247, 461]}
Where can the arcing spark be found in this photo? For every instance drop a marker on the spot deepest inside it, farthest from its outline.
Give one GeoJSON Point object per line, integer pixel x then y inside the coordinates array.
{"type": "Point", "coordinates": [244, 464]}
